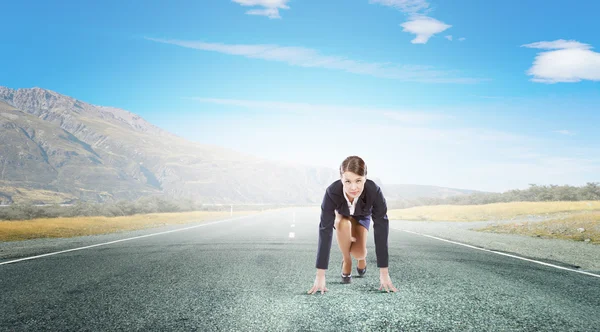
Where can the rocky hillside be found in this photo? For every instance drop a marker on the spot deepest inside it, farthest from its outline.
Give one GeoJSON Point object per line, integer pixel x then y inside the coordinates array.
{"type": "Point", "coordinates": [51, 143]}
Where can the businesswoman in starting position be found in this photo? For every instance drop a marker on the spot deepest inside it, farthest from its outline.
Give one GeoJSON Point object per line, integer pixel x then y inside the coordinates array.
{"type": "Point", "coordinates": [348, 205]}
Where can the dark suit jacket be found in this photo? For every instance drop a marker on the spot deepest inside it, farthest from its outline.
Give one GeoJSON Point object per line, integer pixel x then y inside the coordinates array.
{"type": "Point", "coordinates": [370, 203]}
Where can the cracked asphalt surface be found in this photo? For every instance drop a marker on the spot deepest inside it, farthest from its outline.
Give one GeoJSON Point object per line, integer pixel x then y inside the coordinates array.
{"type": "Point", "coordinates": [249, 274]}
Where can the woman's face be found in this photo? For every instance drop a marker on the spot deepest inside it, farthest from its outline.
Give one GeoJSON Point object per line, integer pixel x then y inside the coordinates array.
{"type": "Point", "coordinates": [353, 184]}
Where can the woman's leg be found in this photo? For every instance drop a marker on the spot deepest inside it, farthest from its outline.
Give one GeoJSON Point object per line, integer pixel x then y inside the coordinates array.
{"type": "Point", "coordinates": [343, 228]}
{"type": "Point", "coordinates": [358, 249]}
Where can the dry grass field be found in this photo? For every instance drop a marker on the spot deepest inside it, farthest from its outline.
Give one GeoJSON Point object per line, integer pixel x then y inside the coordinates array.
{"type": "Point", "coordinates": [582, 226]}
{"type": "Point", "coordinates": [578, 221]}
{"type": "Point", "coordinates": [80, 226]}
{"type": "Point", "coordinates": [495, 211]}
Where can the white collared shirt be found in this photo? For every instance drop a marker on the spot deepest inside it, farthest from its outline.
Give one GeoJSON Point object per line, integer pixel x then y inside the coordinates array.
{"type": "Point", "coordinates": [351, 206]}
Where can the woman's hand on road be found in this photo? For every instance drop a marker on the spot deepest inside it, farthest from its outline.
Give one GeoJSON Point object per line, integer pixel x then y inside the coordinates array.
{"type": "Point", "coordinates": [385, 281]}
{"type": "Point", "coordinates": [319, 284]}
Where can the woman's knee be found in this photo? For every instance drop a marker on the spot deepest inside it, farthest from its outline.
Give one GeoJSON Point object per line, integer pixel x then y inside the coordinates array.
{"type": "Point", "coordinates": [342, 224]}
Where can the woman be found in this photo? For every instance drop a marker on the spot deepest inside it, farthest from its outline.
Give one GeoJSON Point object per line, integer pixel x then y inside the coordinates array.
{"type": "Point", "coordinates": [348, 205]}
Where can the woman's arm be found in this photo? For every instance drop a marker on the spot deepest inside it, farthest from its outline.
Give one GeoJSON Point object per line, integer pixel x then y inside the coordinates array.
{"type": "Point", "coordinates": [381, 229]}
{"type": "Point", "coordinates": [325, 232]}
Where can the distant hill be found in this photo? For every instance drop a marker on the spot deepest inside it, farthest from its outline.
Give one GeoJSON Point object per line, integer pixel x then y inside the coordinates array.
{"type": "Point", "coordinates": [403, 195]}
{"type": "Point", "coordinates": [413, 191]}
{"type": "Point", "coordinates": [57, 149]}
{"type": "Point", "coordinates": [54, 143]}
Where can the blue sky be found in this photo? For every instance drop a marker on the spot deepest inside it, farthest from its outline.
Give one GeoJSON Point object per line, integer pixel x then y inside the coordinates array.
{"type": "Point", "coordinates": [487, 95]}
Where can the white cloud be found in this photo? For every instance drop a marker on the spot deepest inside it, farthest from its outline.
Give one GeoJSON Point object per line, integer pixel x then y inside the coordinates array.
{"type": "Point", "coordinates": [306, 57]}
{"type": "Point", "coordinates": [419, 24]}
{"type": "Point", "coordinates": [271, 7]}
{"type": "Point", "coordinates": [424, 27]}
{"type": "Point", "coordinates": [406, 6]}
{"type": "Point", "coordinates": [449, 37]}
{"type": "Point", "coordinates": [558, 44]}
{"type": "Point", "coordinates": [565, 132]}
{"type": "Point", "coordinates": [461, 39]}
{"type": "Point", "coordinates": [567, 61]}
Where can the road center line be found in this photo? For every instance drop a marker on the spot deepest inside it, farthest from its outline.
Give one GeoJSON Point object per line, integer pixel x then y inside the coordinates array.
{"type": "Point", "coordinates": [499, 253]}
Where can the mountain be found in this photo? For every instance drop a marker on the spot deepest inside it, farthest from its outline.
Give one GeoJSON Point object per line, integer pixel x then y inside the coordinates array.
{"type": "Point", "coordinates": [415, 191]}
{"type": "Point", "coordinates": [407, 195]}
{"type": "Point", "coordinates": [51, 143]}
{"type": "Point", "coordinates": [57, 149]}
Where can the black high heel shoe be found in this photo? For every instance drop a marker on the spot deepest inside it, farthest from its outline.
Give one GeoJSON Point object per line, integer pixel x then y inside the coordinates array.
{"type": "Point", "coordinates": [346, 278]}
{"type": "Point", "coordinates": [361, 272]}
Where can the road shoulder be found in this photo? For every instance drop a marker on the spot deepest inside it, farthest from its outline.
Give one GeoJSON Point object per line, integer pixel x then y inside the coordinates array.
{"type": "Point", "coordinates": [572, 254]}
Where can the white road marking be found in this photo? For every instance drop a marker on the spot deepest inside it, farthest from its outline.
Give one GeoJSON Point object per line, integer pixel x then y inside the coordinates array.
{"type": "Point", "coordinates": [131, 238]}
{"type": "Point", "coordinates": [499, 253]}
{"type": "Point", "coordinates": [292, 235]}
{"type": "Point", "coordinates": [293, 225]}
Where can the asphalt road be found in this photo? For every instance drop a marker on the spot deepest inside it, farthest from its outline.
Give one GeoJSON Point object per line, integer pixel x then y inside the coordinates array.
{"type": "Point", "coordinates": [250, 274]}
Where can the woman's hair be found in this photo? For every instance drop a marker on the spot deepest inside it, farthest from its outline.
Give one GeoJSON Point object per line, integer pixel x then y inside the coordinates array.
{"type": "Point", "coordinates": [354, 164]}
